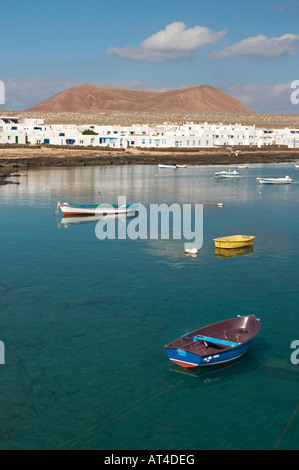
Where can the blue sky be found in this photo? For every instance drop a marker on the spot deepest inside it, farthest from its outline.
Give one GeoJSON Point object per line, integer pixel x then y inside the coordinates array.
{"type": "Point", "coordinates": [247, 49]}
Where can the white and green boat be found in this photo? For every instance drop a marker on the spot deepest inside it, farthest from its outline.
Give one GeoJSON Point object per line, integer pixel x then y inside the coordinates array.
{"type": "Point", "coordinates": [71, 210]}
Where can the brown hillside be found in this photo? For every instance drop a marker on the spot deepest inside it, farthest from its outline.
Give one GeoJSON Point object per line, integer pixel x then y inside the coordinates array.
{"type": "Point", "coordinates": [194, 99]}
{"type": "Point", "coordinates": [91, 97]}
{"type": "Point", "coordinates": [199, 99]}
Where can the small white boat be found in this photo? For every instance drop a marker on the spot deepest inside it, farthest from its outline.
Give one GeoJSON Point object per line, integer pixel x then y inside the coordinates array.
{"type": "Point", "coordinates": [285, 180]}
{"type": "Point", "coordinates": [227, 174]}
{"type": "Point", "coordinates": [70, 210]}
{"type": "Point", "coordinates": [297, 165]}
{"type": "Point", "coordinates": [242, 166]}
{"type": "Point", "coordinates": [174, 167]}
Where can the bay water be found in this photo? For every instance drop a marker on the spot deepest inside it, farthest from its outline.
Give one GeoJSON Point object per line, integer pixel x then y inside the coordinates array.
{"type": "Point", "coordinates": [84, 321]}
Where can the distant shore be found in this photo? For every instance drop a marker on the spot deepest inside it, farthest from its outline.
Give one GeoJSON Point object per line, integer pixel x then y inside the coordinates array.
{"type": "Point", "coordinates": [124, 118]}
{"type": "Point", "coordinates": [15, 158]}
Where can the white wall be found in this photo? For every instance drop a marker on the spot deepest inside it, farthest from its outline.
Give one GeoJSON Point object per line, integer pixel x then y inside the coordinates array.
{"type": "Point", "coordinates": [188, 135]}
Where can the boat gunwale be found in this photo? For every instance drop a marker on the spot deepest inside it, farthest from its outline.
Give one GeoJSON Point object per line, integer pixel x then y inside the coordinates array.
{"type": "Point", "coordinates": [96, 206]}
{"type": "Point", "coordinates": [233, 238]}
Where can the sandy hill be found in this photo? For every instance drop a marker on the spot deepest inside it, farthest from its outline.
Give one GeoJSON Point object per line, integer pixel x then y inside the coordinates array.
{"type": "Point", "coordinates": [202, 98]}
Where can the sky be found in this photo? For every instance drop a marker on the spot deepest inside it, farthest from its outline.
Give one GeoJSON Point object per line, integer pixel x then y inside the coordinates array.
{"type": "Point", "coordinates": [249, 50]}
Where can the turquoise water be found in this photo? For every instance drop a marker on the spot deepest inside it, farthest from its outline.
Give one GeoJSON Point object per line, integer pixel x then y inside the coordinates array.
{"type": "Point", "coordinates": [84, 321]}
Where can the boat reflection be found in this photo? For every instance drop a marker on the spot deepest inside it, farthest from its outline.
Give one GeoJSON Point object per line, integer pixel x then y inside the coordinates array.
{"type": "Point", "coordinates": [68, 221]}
{"type": "Point", "coordinates": [224, 253]}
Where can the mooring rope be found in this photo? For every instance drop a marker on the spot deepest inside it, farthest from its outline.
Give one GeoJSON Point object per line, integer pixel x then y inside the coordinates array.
{"type": "Point", "coordinates": [285, 430]}
{"type": "Point", "coordinates": [112, 419]}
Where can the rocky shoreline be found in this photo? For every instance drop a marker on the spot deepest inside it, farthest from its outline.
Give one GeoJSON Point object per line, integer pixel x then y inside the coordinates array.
{"type": "Point", "coordinates": [18, 157]}
{"type": "Point", "coordinates": [4, 175]}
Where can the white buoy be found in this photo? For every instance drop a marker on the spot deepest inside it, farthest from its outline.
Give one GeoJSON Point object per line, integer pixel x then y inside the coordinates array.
{"type": "Point", "coordinates": [191, 251]}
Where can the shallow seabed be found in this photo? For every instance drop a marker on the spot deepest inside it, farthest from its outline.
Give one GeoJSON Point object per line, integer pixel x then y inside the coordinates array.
{"type": "Point", "coordinates": [84, 321]}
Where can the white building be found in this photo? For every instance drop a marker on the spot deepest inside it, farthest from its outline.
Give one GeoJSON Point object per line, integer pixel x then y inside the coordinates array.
{"type": "Point", "coordinates": [14, 130]}
{"type": "Point", "coordinates": [288, 137]}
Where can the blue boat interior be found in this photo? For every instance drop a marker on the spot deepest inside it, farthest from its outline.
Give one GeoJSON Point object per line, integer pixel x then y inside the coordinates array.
{"type": "Point", "coordinates": [208, 339]}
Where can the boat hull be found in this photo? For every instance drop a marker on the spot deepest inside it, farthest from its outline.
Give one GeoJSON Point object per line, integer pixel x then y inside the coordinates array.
{"type": "Point", "coordinates": [188, 360]}
{"type": "Point", "coordinates": [173, 167]}
{"type": "Point", "coordinates": [214, 344]}
{"type": "Point", "coordinates": [226, 176]}
{"type": "Point", "coordinates": [286, 180]}
{"type": "Point", "coordinates": [232, 242]}
{"type": "Point", "coordinates": [275, 182]}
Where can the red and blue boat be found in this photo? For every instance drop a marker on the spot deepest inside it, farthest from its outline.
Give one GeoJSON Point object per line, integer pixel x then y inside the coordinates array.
{"type": "Point", "coordinates": [214, 344]}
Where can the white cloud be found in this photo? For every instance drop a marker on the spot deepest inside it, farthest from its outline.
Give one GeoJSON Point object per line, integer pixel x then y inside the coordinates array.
{"type": "Point", "coordinates": [260, 47]}
{"type": "Point", "coordinates": [175, 42]}
{"type": "Point", "coordinates": [176, 37]}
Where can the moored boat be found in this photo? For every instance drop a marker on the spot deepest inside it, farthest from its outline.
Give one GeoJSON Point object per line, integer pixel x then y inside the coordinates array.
{"type": "Point", "coordinates": [227, 174]}
{"type": "Point", "coordinates": [214, 344]}
{"type": "Point", "coordinates": [173, 167]}
{"type": "Point", "coordinates": [297, 165]}
{"type": "Point", "coordinates": [285, 180]}
{"type": "Point", "coordinates": [96, 209]}
{"type": "Point", "coordinates": [234, 241]}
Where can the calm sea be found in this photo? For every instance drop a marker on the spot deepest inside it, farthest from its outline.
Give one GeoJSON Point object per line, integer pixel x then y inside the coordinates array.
{"type": "Point", "coordinates": [84, 321]}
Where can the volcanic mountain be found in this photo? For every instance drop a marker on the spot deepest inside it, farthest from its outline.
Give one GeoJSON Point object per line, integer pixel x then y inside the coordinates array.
{"type": "Point", "coordinates": [196, 99]}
